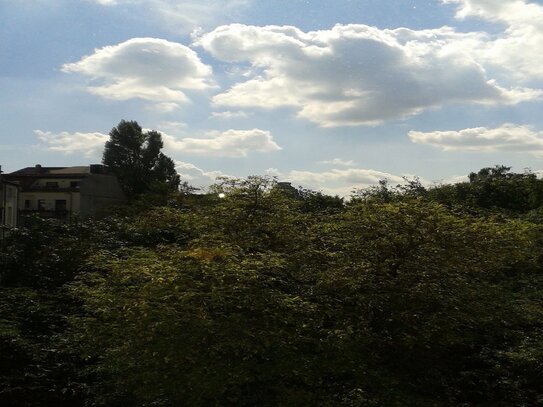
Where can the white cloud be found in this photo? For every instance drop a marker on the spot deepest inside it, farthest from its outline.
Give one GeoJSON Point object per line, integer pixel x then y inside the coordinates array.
{"type": "Point", "coordinates": [228, 114]}
{"type": "Point", "coordinates": [355, 74]}
{"type": "Point", "coordinates": [507, 138]}
{"type": "Point", "coordinates": [454, 179]}
{"type": "Point", "coordinates": [146, 68]}
{"type": "Point", "coordinates": [336, 181]}
{"type": "Point", "coordinates": [519, 48]}
{"type": "Point", "coordinates": [338, 161]}
{"type": "Point", "coordinates": [273, 172]}
{"type": "Point", "coordinates": [195, 176]}
{"type": "Point", "coordinates": [164, 107]}
{"type": "Point", "coordinates": [503, 10]}
{"type": "Point", "coordinates": [88, 144]}
{"type": "Point", "coordinates": [357, 177]}
{"type": "Point", "coordinates": [340, 182]}
{"type": "Point", "coordinates": [230, 143]}
{"type": "Point", "coordinates": [333, 182]}
{"type": "Point", "coordinates": [186, 15]}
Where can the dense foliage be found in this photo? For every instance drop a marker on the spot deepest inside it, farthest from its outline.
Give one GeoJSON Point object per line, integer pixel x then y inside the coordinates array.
{"type": "Point", "coordinates": [272, 296]}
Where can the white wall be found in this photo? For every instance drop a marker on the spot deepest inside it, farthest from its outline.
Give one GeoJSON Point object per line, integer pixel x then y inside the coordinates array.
{"type": "Point", "coordinates": [9, 198]}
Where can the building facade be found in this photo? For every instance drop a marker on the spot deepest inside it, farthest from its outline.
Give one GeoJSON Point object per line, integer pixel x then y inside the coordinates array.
{"type": "Point", "coordinates": [9, 197]}
{"type": "Point", "coordinates": [62, 192]}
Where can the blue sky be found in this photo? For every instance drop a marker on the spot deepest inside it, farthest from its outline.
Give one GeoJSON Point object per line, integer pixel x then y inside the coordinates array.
{"type": "Point", "coordinates": [330, 95]}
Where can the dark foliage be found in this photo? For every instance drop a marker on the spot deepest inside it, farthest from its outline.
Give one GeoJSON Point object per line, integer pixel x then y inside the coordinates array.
{"type": "Point", "coordinates": [275, 296]}
{"type": "Point", "coordinates": [135, 157]}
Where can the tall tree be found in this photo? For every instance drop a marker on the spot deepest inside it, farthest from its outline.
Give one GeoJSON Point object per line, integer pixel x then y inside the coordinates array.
{"type": "Point", "coordinates": [136, 158]}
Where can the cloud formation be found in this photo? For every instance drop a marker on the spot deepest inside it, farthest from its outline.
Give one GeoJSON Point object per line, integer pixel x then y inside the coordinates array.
{"type": "Point", "coordinates": [335, 181]}
{"type": "Point", "coordinates": [88, 144]}
{"type": "Point", "coordinates": [152, 69]}
{"type": "Point", "coordinates": [355, 74]}
{"type": "Point", "coordinates": [228, 114]}
{"type": "Point", "coordinates": [507, 138]}
{"type": "Point", "coordinates": [195, 176]}
{"type": "Point", "coordinates": [338, 161]}
{"type": "Point", "coordinates": [519, 48]}
{"type": "Point", "coordinates": [230, 143]}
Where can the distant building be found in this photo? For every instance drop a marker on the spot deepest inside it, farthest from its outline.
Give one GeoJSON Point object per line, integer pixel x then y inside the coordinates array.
{"type": "Point", "coordinates": [61, 192]}
{"type": "Point", "coordinates": [9, 196]}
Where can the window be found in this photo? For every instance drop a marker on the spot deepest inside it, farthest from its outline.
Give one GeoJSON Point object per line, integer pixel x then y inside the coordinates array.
{"type": "Point", "coordinates": [74, 184]}
{"type": "Point", "coordinates": [60, 205]}
{"type": "Point", "coordinates": [51, 184]}
{"type": "Point", "coordinates": [27, 203]}
{"type": "Point", "coordinates": [41, 204]}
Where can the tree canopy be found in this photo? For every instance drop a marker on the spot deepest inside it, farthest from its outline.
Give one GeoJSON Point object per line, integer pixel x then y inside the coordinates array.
{"type": "Point", "coordinates": [136, 158]}
{"type": "Point", "coordinates": [404, 296]}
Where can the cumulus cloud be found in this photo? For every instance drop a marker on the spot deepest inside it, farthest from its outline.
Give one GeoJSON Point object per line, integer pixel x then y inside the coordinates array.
{"type": "Point", "coordinates": [88, 144]}
{"type": "Point", "coordinates": [507, 138]}
{"type": "Point", "coordinates": [146, 68]}
{"type": "Point", "coordinates": [504, 10]}
{"type": "Point", "coordinates": [355, 176]}
{"type": "Point", "coordinates": [519, 48]}
{"type": "Point", "coordinates": [355, 74]}
{"type": "Point", "coordinates": [273, 172]}
{"type": "Point", "coordinates": [335, 181]}
{"type": "Point", "coordinates": [196, 176]}
{"type": "Point", "coordinates": [230, 143]}
{"type": "Point", "coordinates": [338, 161]}
{"type": "Point", "coordinates": [453, 179]}
{"type": "Point", "coordinates": [340, 182]}
{"type": "Point", "coordinates": [228, 114]}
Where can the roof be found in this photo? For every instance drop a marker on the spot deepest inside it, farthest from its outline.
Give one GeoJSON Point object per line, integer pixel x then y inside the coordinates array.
{"type": "Point", "coordinates": [28, 175]}
{"type": "Point", "coordinates": [38, 170]}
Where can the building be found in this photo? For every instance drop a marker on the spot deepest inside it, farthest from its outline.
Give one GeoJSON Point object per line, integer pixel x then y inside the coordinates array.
{"type": "Point", "coordinates": [9, 196]}
{"type": "Point", "coordinates": [62, 192]}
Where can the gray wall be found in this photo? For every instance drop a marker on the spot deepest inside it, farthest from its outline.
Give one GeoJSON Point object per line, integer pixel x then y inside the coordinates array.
{"type": "Point", "coordinates": [99, 191]}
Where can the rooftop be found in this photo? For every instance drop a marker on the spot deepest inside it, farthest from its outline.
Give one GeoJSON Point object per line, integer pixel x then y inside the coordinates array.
{"type": "Point", "coordinates": [39, 170]}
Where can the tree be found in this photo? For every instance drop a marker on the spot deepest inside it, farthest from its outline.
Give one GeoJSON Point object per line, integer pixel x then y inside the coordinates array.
{"type": "Point", "coordinates": [256, 299]}
{"type": "Point", "coordinates": [273, 298]}
{"type": "Point", "coordinates": [493, 189]}
{"type": "Point", "coordinates": [135, 157]}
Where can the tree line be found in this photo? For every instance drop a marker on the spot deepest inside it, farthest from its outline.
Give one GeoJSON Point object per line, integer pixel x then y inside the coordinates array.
{"type": "Point", "coordinates": [276, 296]}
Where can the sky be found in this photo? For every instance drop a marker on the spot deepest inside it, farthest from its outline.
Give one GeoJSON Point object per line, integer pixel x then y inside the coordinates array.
{"type": "Point", "coordinates": [329, 95]}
